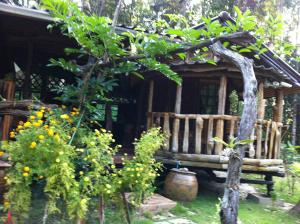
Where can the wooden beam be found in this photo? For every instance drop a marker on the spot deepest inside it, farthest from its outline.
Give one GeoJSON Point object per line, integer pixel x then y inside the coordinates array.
{"type": "Point", "coordinates": [221, 111]}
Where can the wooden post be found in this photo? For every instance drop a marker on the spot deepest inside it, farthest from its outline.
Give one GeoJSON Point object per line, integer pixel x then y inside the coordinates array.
{"type": "Point", "coordinates": [150, 103]}
{"type": "Point", "coordinates": [198, 134]}
{"type": "Point", "coordinates": [185, 146]}
{"type": "Point", "coordinates": [108, 117]}
{"type": "Point", "coordinates": [278, 118]}
{"type": "Point", "coordinates": [27, 81]}
{"type": "Point", "coordinates": [176, 124]}
{"type": "Point", "coordinates": [166, 130]}
{"type": "Point", "coordinates": [260, 116]}
{"type": "Point", "coordinates": [177, 108]}
{"type": "Point", "coordinates": [222, 95]}
{"type": "Point", "coordinates": [279, 106]}
{"type": "Point", "coordinates": [221, 110]}
{"type": "Point", "coordinates": [9, 89]}
{"type": "Point", "coordinates": [210, 141]}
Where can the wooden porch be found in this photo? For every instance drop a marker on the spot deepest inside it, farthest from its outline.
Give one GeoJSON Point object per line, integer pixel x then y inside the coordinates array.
{"type": "Point", "coordinates": [190, 136]}
{"type": "Point", "coordinates": [190, 141]}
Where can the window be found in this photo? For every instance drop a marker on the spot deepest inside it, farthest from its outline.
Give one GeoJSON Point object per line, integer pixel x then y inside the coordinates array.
{"type": "Point", "coordinates": [208, 99]}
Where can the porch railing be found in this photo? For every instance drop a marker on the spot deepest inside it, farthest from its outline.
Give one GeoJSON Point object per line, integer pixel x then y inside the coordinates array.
{"type": "Point", "coordinates": [193, 133]}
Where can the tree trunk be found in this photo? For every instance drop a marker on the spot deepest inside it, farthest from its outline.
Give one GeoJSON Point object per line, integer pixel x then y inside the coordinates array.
{"type": "Point", "coordinates": [230, 202]}
{"type": "Point", "coordinates": [296, 209]}
{"type": "Point", "coordinates": [294, 124]}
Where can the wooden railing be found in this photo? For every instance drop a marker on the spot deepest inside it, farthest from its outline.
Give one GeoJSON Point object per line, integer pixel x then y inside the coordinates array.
{"type": "Point", "coordinates": [193, 133]}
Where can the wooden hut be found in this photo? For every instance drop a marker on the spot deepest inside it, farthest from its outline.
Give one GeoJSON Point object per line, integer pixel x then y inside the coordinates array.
{"type": "Point", "coordinates": [190, 114]}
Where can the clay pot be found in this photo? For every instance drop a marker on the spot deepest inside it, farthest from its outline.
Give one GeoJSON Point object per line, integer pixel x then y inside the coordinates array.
{"type": "Point", "coordinates": [181, 185]}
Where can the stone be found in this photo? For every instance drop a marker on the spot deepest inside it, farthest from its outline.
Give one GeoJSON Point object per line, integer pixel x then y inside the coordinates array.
{"type": "Point", "coordinates": [262, 199]}
{"type": "Point", "coordinates": [156, 204]}
{"type": "Point", "coordinates": [176, 221]}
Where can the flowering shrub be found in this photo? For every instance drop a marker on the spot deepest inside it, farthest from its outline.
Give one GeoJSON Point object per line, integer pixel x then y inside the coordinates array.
{"type": "Point", "coordinates": [96, 171]}
{"type": "Point", "coordinates": [139, 173]}
{"type": "Point", "coordinates": [42, 151]}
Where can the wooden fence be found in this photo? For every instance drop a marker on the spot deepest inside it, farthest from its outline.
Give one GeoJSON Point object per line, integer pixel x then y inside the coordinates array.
{"type": "Point", "coordinates": [193, 134]}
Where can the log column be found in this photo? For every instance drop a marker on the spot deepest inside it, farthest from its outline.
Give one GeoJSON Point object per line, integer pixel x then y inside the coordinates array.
{"type": "Point", "coordinates": [278, 118]}
{"type": "Point", "coordinates": [260, 117]}
{"type": "Point", "coordinates": [150, 104]}
{"type": "Point", "coordinates": [279, 106]}
{"type": "Point", "coordinates": [176, 124]}
{"type": "Point", "coordinates": [9, 90]}
{"type": "Point", "coordinates": [221, 111]}
{"type": "Point", "coordinates": [27, 82]}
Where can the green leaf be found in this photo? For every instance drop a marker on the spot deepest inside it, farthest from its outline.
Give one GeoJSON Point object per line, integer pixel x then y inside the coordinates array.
{"type": "Point", "coordinates": [244, 50]}
{"type": "Point", "coordinates": [219, 140]}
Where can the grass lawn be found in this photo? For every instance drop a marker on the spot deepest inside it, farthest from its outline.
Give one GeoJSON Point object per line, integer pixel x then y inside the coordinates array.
{"type": "Point", "coordinates": [204, 210]}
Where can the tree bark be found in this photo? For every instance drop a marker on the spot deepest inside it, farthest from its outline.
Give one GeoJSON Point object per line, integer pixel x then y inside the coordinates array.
{"type": "Point", "coordinates": [294, 124]}
{"type": "Point", "coordinates": [296, 209]}
{"type": "Point", "coordinates": [230, 202]}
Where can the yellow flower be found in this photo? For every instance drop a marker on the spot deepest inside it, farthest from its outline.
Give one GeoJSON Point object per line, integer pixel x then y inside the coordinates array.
{"type": "Point", "coordinates": [32, 117]}
{"type": "Point", "coordinates": [21, 122]}
{"type": "Point", "coordinates": [20, 126]}
{"type": "Point", "coordinates": [25, 174]}
{"type": "Point", "coordinates": [50, 132]}
{"type": "Point", "coordinates": [1, 153]}
{"type": "Point", "coordinates": [36, 124]}
{"type": "Point", "coordinates": [75, 109]}
{"type": "Point", "coordinates": [53, 122]}
{"type": "Point", "coordinates": [73, 113]}
{"type": "Point", "coordinates": [27, 124]}
{"type": "Point", "coordinates": [56, 137]}
{"type": "Point", "coordinates": [46, 126]}
{"type": "Point", "coordinates": [41, 137]}
{"type": "Point", "coordinates": [33, 145]}
{"type": "Point", "coordinates": [113, 166]}
{"type": "Point", "coordinates": [12, 134]}
{"type": "Point", "coordinates": [81, 173]}
{"type": "Point", "coordinates": [6, 204]}
{"type": "Point", "coordinates": [26, 169]}
{"type": "Point", "coordinates": [39, 114]}
{"type": "Point", "coordinates": [65, 116]}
